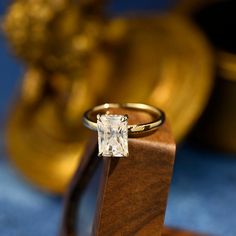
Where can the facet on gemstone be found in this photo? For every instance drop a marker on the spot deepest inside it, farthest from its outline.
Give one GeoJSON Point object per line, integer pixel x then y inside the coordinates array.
{"type": "Point", "coordinates": [112, 135]}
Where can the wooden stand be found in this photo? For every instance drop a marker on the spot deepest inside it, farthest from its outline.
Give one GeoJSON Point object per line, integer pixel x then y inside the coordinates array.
{"type": "Point", "coordinates": [135, 191]}
{"type": "Point", "coordinates": [132, 192]}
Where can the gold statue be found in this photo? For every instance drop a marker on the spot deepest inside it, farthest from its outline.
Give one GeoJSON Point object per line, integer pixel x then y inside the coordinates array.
{"type": "Point", "coordinates": [76, 58]}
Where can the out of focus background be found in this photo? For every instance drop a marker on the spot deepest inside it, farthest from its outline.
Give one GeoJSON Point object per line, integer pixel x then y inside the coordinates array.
{"type": "Point", "coordinates": [60, 57]}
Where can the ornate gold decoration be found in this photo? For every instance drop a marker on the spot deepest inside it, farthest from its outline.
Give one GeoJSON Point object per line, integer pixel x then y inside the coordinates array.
{"type": "Point", "coordinates": [56, 35]}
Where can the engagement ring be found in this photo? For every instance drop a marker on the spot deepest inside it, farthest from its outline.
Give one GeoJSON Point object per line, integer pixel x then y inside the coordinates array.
{"type": "Point", "coordinates": [114, 130]}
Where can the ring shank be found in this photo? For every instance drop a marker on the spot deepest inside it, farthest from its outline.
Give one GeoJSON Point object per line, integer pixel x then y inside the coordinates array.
{"type": "Point", "coordinates": [132, 129]}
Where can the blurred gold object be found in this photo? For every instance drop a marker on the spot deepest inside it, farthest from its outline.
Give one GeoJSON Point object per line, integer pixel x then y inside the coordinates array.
{"type": "Point", "coordinates": [77, 59]}
{"type": "Point", "coordinates": [218, 127]}
{"type": "Point", "coordinates": [164, 61]}
{"type": "Point", "coordinates": [224, 117]}
{"type": "Point", "coordinates": [40, 140]}
{"type": "Point", "coordinates": [227, 65]}
{"type": "Point", "coordinates": [56, 35]}
{"type": "Point", "coordinates": [55, 39]}
{"type": "Point", "coordinates": [41, 149]}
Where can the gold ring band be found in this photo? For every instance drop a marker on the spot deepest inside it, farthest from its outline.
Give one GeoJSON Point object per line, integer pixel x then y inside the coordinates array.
{"type": "Point", "coordinates": [132, 129]}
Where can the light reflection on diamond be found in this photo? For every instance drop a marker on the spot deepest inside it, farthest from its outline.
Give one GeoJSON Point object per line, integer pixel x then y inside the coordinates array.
{"type": "Point", "coordinates": [112, 135]}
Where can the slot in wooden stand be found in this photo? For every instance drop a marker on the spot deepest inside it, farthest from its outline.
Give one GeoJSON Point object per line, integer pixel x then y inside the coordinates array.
{"type": "Point", "coordinates": [132, 192]}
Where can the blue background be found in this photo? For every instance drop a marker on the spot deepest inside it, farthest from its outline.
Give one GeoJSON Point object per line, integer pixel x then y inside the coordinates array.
{"type": "Point", "coordinates": [202, 195]}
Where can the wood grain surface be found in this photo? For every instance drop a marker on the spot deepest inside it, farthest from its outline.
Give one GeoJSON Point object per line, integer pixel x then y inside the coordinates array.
{"type": "Point", "coordinates": [135, 192]}
{"type": "Point", "coordinates": [178, 232]}
{"type": "Point", "coordinates": [132, 192]}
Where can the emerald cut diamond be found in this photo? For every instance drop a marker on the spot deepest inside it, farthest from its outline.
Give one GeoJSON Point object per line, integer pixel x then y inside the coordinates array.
{"type": "Point", "coordinates": [112, 135]}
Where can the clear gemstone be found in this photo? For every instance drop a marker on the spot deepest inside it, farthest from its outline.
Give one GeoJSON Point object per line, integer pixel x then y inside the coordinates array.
{"type": "Point", "coordinates": [112, 135]}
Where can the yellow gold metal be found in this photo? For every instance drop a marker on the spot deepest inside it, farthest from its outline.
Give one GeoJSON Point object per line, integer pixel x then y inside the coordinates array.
{"type": "Point", "coordinates": [132, 129]}
{"type": "Point", "coordinates": [167, 64]}
{"type": "Point", "coordinates": [42, 149]}
{"type": "Point", "coordinates": [227, 65]}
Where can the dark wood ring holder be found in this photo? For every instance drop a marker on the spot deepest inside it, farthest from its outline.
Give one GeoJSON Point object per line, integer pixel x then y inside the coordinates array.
{"type": "Point", "coordinates": [130, 193]}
